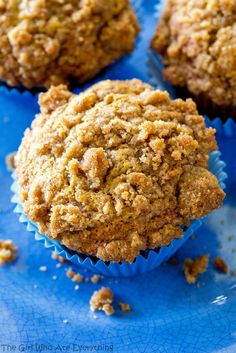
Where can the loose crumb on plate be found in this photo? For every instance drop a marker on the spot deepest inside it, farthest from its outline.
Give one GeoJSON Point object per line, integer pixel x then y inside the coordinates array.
{"type": "Point", "coordinates": [95, 279]}
{"type": "Point", "coordinates": [174, 261]}
{"type": "Point", "coordinates": [58, 265]}
{"type": "Point", "coordinates": [193, 268]}
{"type": "Point", "coordinates": [75, 277]}
{"type": "Point", "coordinates": [10, 161]}
{"type": "Point", "coordinates": [125, 307]}
{"type": "Point", "coordinates": [43, 268]}
{"type": "Point", "coordinates": [65, 322]}
{"type": "Point", "coordinates": [220, 265]}
{"type": "Point", "coordinates": [77, 287]}
{"type": "Point", "coordinates": [102, 300]}
{"type": "Point", "coordinates": [58, 257]}
{"type": "Point", "coordinates": [7, 251]}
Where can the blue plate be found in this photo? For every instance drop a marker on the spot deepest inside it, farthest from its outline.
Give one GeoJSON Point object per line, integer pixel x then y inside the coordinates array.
{"type": "Point", "coordinates": [168, 314]}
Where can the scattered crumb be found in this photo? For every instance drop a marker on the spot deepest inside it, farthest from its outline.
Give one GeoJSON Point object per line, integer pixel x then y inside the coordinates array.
{"type": "Point", "coordinates": [77, 287]}
{"type": "Point", "coordinates": [10, 161]}
{"type": "Point", "coordinates": [125, 307]}
{"type": "Point", "coordinates": [95, 278]}
{"type": "Point", "coordinates": [43, 268]}
{"type": "Point", "coordinates": [220, 264]}
{"type": "Point", "coordinates": [192, 268]}
{"type": "Point", "coordinates": [58, 265]}
{"type": "Point", "coordinates": [174, 261]}
{"type": "Point", "coordinates": [58, 257]}
{"type": "Point", "coordinates": [222, 221]}
{"type": "Point", "coordinates": [7, 251]}
{"type": "Point", "coordinates": [102, 300]}
{"type": "Point", "coordinates": [230, 238]}
{"type": "Point", "coordinates": [54, 277]}
{"type": "Point", "coordinates": [65, 321]}
{"type": "Point", "coordinates": [76, 277]}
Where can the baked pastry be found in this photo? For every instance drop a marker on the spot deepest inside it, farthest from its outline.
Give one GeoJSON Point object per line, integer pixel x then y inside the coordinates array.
{"type": "Point", "coordinates": [116, 169]}
{"type": "Point", "coordinates": [44, 43]}
{"type": "Point", "coordinates": [197, 42]}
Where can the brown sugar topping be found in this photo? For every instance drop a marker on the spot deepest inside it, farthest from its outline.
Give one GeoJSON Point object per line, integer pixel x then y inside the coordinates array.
{"type": "Point", "coordinates": [220, 264]}
{"type": "Point", "coordinates": [116, 169]}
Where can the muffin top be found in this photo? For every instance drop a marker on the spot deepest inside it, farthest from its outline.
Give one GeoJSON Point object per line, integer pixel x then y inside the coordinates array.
{"type": "Point", "coordinates": [51, 42]}
{"type": "Point", "coordinates": [116, 169]}
{"type": "Point", "coordinates": [197, 40]}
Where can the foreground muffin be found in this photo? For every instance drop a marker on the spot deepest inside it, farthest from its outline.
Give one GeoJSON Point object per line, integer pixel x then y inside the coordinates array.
{"type": "Point", "coordinates": [116, 169]}
{"type": "Point", "coordinates": [197, 41]}
{"type": "Point", "coordinates": [51, 42]}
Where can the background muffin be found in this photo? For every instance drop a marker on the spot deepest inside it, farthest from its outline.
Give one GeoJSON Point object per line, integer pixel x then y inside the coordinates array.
{"type": "Point", "coordinates": [197, 41]}
{"type": "Point", "coordinates": [51, 42]}
{"type": "Point", "coordinates": [116, 169]}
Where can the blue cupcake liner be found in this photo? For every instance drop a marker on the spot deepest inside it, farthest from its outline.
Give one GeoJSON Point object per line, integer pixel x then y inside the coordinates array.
{"type": "Point", "coordinates": [145, 262]}
{"type": "Point", "coordinates": [138, 8]}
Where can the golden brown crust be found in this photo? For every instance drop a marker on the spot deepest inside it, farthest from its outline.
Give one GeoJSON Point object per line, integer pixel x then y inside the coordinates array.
{"type": "Point", "coordinates": [44, 43]}
{"type": "Point", "coordinates": [197, 40]}
{"type": "Point", "coordinates": [108, 172]}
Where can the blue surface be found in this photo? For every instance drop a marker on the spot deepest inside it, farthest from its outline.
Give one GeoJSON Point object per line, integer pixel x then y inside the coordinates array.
{"type": "Point", "coordinates": [168, 314]}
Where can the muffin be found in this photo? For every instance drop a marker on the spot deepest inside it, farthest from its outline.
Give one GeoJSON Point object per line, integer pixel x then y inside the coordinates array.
{"type": "Point", "coordinates": [44, 43]}
{"type": "Point", "coordinates": [117, 169]}
{"type": "Point", "coordinates": [197, 42]}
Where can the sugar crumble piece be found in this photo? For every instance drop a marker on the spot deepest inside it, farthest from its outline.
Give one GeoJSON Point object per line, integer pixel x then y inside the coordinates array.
{"type": "Point", "coordinates": [10, 161]}
{"type": "Point", "coordinates": [65, 322]}
{"type": "Point", "coordinates": [75, 277]}
{"type": "Point", "coordinates": [58, 265]}
{"type": "Point", "coordinates": [220, 265]}
{"type": "Point", "coordinates": [70, 273]}
{"type": "Point", "coordinates": [43, 268]}
{"type": "Point", "coordinates": [77, 287]}
{"type": "Point", "coordinates": [125, 307]}
{"type": "Point", "coordinates": [102, 300]}
{"type": "Point", "coordinates": [95, 279]}
{"type": "Point", "coordinates": [193, 268]}
{"type": "Point", "coordinates": [58, 257]}
{"type": "Point", "coordinates": [7, 251]}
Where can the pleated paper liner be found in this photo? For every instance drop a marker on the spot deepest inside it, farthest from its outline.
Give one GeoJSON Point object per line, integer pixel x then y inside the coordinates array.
{"type": "Point", "coordinates": [146, 261]}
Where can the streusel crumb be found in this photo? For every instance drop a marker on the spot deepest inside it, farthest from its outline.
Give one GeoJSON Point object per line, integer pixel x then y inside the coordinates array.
{"type": "Point", "coordinates": [95, 279]}
{"type": "Point", "coordinates": [125, 307]}
{"type": "Point", "coordinates": [197, 40]}
{"type": "Point", "coordinates": [44, 43]}
{"type": "Point", "coordinates": [220, 264]}
{"type": "Point", "coordinates": [7, 251]}
{"type": "Point", "coordinates": [102, 300]}
{"type": "Point", "coordinates": [116, 169]}
{"type": "Point", "coordinates": [58, 257]}
{"type": "Point", "coordinates": [193, 268]}
{"type": "Point", "coordinates": [75, 277]}
{"type": "Point", "coordinates": [10, 161]}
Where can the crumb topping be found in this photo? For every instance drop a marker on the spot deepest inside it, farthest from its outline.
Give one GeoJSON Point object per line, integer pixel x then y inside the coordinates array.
{"type": "Point", "coordinates": [197, 40]}
{"type": "Point", "coordinates": [49, 42]}
{"type": "Point", "coordinates": [102, 300]}
{"type": "Point", "coordinates": [10, 161]}
{"type": "Point", "coordinates": [116, 169]}
{"type": "Point", "coordinates": [7, 251]}
{"type": "Point", "coordinates": [58, 257]}
{"type": "Point", "coordinates": [75, 277]}
{"type": "Point", "coordinates": [193, 268]}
